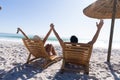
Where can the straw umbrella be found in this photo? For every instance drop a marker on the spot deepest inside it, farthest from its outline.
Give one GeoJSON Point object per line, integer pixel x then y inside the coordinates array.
{"type": "Point", "coordinates": [105, 9]}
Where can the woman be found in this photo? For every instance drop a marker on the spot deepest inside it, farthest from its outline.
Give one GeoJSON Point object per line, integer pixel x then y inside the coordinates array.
{"type": "Point", "coordinates": [48, 47]}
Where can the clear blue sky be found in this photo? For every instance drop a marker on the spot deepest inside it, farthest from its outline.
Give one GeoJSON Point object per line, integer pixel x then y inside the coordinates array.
{"type": "Point", "coordinates": [35, 16]}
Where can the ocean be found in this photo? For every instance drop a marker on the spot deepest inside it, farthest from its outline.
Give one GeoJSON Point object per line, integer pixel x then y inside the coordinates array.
{"type": "Point", "coordinates": [53, 40]}
{"type": "Point", "coordinates": [18, 38]}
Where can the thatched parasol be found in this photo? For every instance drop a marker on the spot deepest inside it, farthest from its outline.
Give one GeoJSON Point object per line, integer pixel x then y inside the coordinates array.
{"type": "Point", "coordinates": [102, 9]}
{"type": "Point", "coordinates": [105, 9]}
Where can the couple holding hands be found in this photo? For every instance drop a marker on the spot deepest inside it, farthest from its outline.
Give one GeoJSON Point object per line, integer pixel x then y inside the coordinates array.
{"type": "Point", "coordinates": [49, 47]}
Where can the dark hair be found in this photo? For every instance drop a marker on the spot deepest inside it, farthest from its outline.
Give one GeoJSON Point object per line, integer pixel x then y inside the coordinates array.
{"type": "Point", "coordinates": [74, 39]}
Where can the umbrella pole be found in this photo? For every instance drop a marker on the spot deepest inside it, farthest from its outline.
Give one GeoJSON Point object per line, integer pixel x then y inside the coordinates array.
{"type": "Point", "coordinates": [0, 7]}
{"type": "Point", "coordinates": [111, 31]}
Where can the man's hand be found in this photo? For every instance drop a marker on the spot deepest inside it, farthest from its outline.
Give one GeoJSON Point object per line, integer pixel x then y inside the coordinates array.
{"type": "Point", "coordinates": [99, 26]}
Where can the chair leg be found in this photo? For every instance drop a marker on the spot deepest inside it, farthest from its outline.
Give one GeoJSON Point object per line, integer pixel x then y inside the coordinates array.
{"type": "Point", "coordinates": [62, 71]}
{"type": "Point", "coordinates": [86, 73]}
{"type": "Point", "coordinates": [28, 58]}
{"type": "Point", "coordinates": [48, 63]}
{"type": "Point", "coordinates": [86, 70]}
{"type": "Point", "coordinates": [62, 67]}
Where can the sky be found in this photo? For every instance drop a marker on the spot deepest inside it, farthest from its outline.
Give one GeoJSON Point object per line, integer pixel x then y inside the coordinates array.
{"type": "Point", "coordinates": [35, 16]}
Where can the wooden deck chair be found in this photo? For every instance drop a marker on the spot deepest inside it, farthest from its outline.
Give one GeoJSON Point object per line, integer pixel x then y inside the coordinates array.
{"type": "Point", "coordinates": [36, 49]}
{"type": "Point", "coordinates": [76, 54]}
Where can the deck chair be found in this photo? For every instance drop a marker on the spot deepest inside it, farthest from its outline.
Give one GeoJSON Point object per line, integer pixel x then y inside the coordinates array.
{"type": "Point", "coordinates": [36, 49]}
{"type": "Point", "coordinates": [76, 54]}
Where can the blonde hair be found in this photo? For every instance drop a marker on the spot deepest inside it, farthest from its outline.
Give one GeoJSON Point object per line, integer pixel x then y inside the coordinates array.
{"type": "Point", "coordinates": [36, 37]}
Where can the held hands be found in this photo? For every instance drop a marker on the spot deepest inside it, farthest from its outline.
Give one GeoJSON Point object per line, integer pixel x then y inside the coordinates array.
{"type": "Point", "coordinates": [99, 26]}
{"type": "Point", "coordinates": [52, 26]}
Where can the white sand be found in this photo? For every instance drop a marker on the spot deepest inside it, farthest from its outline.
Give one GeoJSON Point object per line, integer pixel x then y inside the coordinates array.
{"type": "Point", "coordinates": [13, 55]}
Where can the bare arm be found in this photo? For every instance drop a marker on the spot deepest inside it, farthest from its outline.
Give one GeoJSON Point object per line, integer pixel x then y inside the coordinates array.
{"type": "Point", "coordinates": [56, 34]}
{"type": "Point", "coordinates": [18, 29]}
{"type": "Point", "coordinates": [99, 26]}
{"type": "Point", "coordinates": [47, 35]}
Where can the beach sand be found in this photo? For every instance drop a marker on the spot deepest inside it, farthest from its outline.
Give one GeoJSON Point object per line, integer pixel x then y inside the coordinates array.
{"type": "Point", "coordinates": [13, 55]}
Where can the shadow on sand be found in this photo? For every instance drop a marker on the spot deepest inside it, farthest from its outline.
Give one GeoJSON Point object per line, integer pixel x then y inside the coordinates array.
{"type": "Point", "coordinates": [114, 68]}
{"type": "Point", "coordinates": [73, 76]}
{"type": "Point", "coordinates": [27, 71]}
{"type": "Point", "coordinates": [22, 72]}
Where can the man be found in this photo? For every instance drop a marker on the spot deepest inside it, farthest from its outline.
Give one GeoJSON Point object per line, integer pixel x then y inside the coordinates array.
{"type": "Point", "coordinates": [99, 26]}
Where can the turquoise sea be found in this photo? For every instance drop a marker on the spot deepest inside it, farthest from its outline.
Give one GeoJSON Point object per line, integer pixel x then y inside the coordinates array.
{"type": "Point", "coordinates": [53, 40]}
{"type": "Point", "coordinates": [18, 37]}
